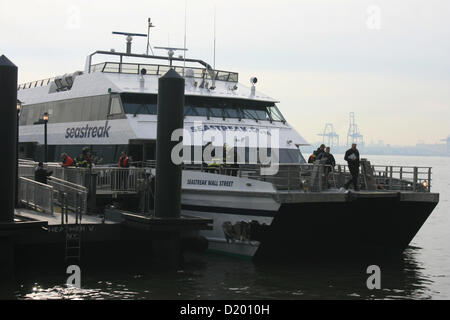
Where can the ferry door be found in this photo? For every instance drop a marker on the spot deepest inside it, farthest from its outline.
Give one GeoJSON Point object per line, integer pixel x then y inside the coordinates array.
{"type": "Point", "coordinates": [142, 150]}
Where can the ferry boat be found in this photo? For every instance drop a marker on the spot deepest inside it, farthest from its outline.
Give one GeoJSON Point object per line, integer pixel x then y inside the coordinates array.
{"type": "Point", "coordinates": [298, 212]}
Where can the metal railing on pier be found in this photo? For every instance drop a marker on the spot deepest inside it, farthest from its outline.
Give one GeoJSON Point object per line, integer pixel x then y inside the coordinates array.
{"type": "Point", "coordinates": [36, 195]}
{"type": "Point", "coordinates": [44, 197]}
{"type": "Point", "coordinates": [107, 178]}
{"type": "Point", "coordinates": [70, 196]}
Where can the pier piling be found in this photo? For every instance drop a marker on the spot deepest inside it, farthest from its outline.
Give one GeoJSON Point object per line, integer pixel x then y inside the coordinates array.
{"type": "Point", "coordinates": [170, 118]}
{"type": "Point", "coordinates": [8, 131]}
{"type": "Point", "coordinates": [168, 175]}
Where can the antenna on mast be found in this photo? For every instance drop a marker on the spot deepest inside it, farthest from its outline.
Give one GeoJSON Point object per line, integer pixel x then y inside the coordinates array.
{"type": "Point", "coordinates": [214, 57]}
{"type": "Point", "coordinates": [129, 38]}
{"type": "Point", "coordinates": [150, 25]}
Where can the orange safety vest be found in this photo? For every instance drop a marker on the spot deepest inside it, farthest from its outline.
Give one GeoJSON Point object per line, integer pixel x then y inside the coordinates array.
{"type": "Point", "coordinates": [67, 162]}
{"type": "Point", "coordinates": [123, 162]}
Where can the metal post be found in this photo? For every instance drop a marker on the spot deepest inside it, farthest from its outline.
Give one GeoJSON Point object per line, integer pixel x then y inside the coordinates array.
{"type": "Point", "coordinates": [390, 177]}
{"type": "Point", "coordinates": [77, 208]}
{"type": "Point", "coordinates": [415, 179]}
{"type": "Point", "coordinates": [170, 118]}
{"type": "Point", "coordinates": [320, 177]}
{"type": "Point", "coordinates": [92, 196]}
{"type": "Point", "coordinates": [62, 196]}
{"type": "Point", "coordinates": [45, 142]}
{"type": "Point", "coordinates": [8, 123]}
{"type": "Point", "coordinates": [16, 191]}
{"type": "Point", "coordinates": [52, 209]}
{"type": "Point", "coordinates": [429, 179]}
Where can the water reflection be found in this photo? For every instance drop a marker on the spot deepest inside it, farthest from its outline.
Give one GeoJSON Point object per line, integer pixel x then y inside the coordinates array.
{"type": "Point", "coordinates": [215, 277]}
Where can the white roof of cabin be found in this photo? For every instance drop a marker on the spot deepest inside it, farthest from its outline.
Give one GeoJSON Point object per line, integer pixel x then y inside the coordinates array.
{"type": "Point", "coordinates": [98, 83]}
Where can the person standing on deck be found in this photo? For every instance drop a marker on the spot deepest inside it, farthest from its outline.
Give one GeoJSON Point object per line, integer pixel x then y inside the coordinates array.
{"type": "Point", "coordinates": [41, 174]}
{"type": "Point", "coordinates": [319, 151]}
{"type": "Point", "coordinates": [328, 160]}
{"type": "Point", "coordinates": [85, 160]}
{"type": "Point", "coordinates": [123, 160]}
{"type": "Point", "coordinates": [352, 158]}
{"type": "Point", "coordinates": [122, 175]}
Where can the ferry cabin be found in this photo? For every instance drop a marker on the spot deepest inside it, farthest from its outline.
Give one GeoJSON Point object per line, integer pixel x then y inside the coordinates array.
{"type": "Point", "coordinates": [112, 107]}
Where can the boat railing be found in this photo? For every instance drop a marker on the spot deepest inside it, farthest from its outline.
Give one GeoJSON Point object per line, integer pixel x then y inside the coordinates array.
{"type": "Point", "coordinates": [396, 178]}
{"type": "Point", "coordinates": [36, 83]}
{"type": "Point", "coordinates": [319, 177]}
{"type": "Point", "coordinates": [159, 70]}
{"type": "Point", "coordinates": [288, 177]}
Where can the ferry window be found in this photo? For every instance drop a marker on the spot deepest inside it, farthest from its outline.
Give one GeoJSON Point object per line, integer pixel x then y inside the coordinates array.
{"type": "Point", "coordinates": [232, 113]}
{"type": "Point", "coordinates": [291, 156]}
{"type": "Point", "coordinates": [189, 111]}
{"type": "Point", "coordinates": [231, 108]}
{"type": "Point", "coordinates": [139, 103]}
{"type": "Point", "coordinates": [216, 112]}
{"type": "Point", "coordinates": [115, 106]}
{"type": "Point", "coordinates": [140, 108]}
{"type": "Point", "coordinates": [201, 111]}
{"type": "Point", "coordinates": [258, 114]}
{"type": "Point", "coordinates": [276, 114]}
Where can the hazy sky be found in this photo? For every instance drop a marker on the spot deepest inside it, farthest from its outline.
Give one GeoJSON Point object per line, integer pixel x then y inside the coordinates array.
{"type": "Point", "coordinates": [387, 61]}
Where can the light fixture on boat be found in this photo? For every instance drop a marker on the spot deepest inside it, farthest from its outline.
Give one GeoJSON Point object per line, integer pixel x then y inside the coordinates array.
{"type": "Point", "coordinates": [253, 81]}
{"type": "Point", "coordinates": [143, 72]}
{"type": "Point", "coordinates": [425, 184]}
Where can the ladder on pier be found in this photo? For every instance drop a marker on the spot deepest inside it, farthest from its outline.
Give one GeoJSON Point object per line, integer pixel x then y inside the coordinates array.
{"type": "Point", "coordinates": [73, 243]}
{"type": "Point", "coordinates": [73, 231]}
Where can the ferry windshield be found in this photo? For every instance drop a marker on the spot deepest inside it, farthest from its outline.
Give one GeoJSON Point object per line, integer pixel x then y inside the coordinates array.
{"type": "Point", "coordinates": [206, 107]}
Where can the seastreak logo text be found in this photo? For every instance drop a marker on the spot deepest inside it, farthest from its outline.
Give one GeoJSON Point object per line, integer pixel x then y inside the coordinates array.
{"type": "Point", "coordinates": [88, 132]}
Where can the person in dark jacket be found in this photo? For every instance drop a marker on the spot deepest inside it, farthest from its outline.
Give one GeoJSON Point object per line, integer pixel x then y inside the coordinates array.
{"type": "Point", "coordinates": [319, 151]}
{"type": "Point", "coordinates": [327, 157]}
{"type": "Point", "coordinates": [352, 158]}
{"type": "Point", "coordinates": [41, 174]}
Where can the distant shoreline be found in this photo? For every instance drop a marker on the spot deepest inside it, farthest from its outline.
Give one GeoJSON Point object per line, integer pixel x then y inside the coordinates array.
{"type": "Point", "coordinates": [392, 151]}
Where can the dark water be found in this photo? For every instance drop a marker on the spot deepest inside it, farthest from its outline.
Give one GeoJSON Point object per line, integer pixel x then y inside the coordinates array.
{"type": "Point", "coordinates": [424, 272]}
